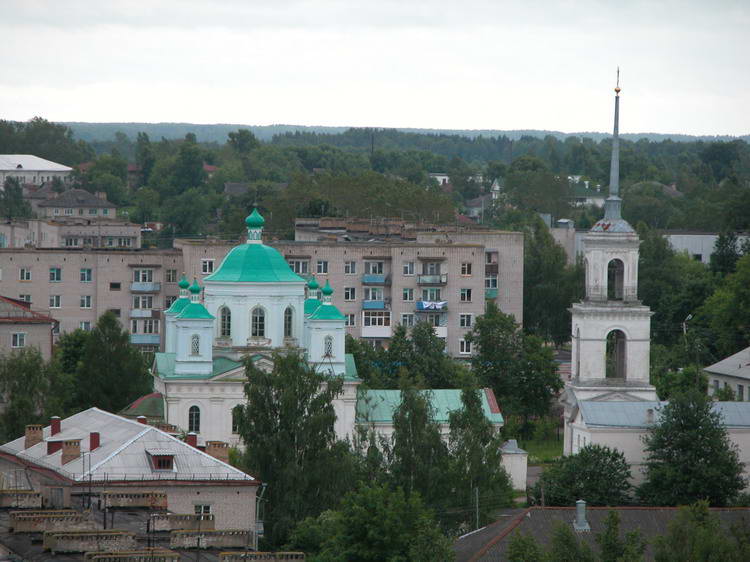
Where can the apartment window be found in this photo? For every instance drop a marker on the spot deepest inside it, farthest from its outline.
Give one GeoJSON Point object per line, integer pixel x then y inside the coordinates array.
{"type": "Point", "coordinates": [71, 242]}
{"type": "Point", "coordinates": [374, 267]}
{"type": "Point", "coordinates": [86, 276]}
{"type": "Point", "coordinates": [740, 393]}
{"type": "Point", "coordinates": [171, 276]}
{"type": "Point", "coordinates": [110, 241]}
{"type": "Point", "coordinates": [490, 282]}
{"type": "Point", "coordinates": [300, 267]}
{"type": "Point", "coordinates": [431, 268]}
{"type": "Point", "coordinates": [150, 326]}
{"type": "Point", "coordinates": [464, 320]}
{"type": "Point", "coordinates": [114, 286]}
{"type": "Point", "coordinates": [322, 267]}
{"type": "Point", "coordinates": [169, 300]}
{"type": "Point", "coordinates": [433, 319]}
{"type": "Point", "coordinates": [68, 211]}
{"type": "Point", "coordinates": [134, 326]}
{"type": "Point", "coordinates": [85, 301]}
{"type": "Point", "coordinates": [488, 258]}
{"type": "Point", "coordinates": [716, 385]}
{"type": "Point", "coordinates": [377, 318]}
{"type": "Point", "coordinates": [373, 293]}
{"type": "Point", "coordinates": [465, 295]}
{"type": "Point", "coordinates": [207, 266]}
{"type": "Point", "coordinates": [204, 509]}
{"type": "Point", "coordinates": [464, 347]}
{"type": "Point", "coordinates": [25, 298]}
{"type": "Point", "coordinates": [407, 320]}
{"type": "Point", "coordinates": [350, 267]}
{"type": "Point", "coordinates": [56, 211]}
{"type": "Point", "coordinates": [143, 275]}
{"type": "Point", "coordinates": [194, 425]}
{"type": "Point", "coordinates": [18, 339]}
{"type": "Point", "coordinates": [92, 211]}
{"type": "Point", "coordinates": [408, 295]}
{"type": "Point", "coordinates": [408, 268]}
{"type": "Point", "coordinates": [24, 274]}
{"type": "Point", "coordinates": [350, 293]}
{"type": "Point", "coordinates": [55, 274]}
{"type": "Point", "coordinates": [85, 326]}
{"type": "Point", "coordinates": [431, 294]}
{"type": "Point", "coordinates": [143, 301]}
{"type": "Point", "coordinates": [54, 301]}
{"type": "Point", "coordinates": [350, 320]}
{"type": "Point", "coordinates": [105, 211]}
{"type": "Point", "coordinates": [195, 344]}
{"type": "Point", "coordinates": [115, 311]}
{"type": "Point", "coordinates": [466, 268]}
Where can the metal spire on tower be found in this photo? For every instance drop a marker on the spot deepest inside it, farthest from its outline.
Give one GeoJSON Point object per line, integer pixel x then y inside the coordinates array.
{"type": "Point", "coordinates": [612, 205]}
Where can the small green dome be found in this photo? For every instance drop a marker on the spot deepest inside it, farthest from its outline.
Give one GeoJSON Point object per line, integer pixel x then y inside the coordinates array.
{"type": "Point", "coordinates": [195, 288]}
{"type": "Point", "coordinates": [255, 219]}
{"type": "Point", "coordinates": [327, 290]}
{"type": "Point", "coordinates": [184, 283]}
{"type": "Point", "coordinates": [313, 284]}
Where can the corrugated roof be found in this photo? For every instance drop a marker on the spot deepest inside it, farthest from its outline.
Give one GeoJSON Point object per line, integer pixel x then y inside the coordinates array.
{"type": "Point", "coordinates": [737, 365]}
{"type": "Point", "coordinates": [29, 162]}
{"type": "Point", "coordinates": [77, 198]}
{"type": "Point", "coordinates": [634, 414]}
{"type": "Point", "coordinates": [165, 363]}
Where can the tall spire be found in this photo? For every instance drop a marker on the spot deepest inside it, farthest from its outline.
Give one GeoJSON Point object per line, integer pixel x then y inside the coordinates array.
{"type": "Point", "coordinates": [613, 204]}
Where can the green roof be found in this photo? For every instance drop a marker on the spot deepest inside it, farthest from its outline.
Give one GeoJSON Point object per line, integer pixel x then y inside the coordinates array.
{"type": "Point", "coordinates": [351, 368]}
{"type": "Point", "coordinates": [326, 311]}
{"type": "Point", "coordinates": [150, 405]}
{"type": "Point", "coordinates": [165, 367]}
{"type": "Point", "coordinates": [178, 306]}
{"type": "Point", "coordinates": [195, 311]}
{"type": "Point", "coordinates": [254, 263]}
{"type": "Point", "coordinates": [378, 406]}
{"type": "Point", "coordinates": [311, 305]}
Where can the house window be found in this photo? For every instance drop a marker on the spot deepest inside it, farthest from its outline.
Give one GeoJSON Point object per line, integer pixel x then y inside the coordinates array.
{"type": "Point", "coordinates": [432, 294]}
{"type": "Point", "coordinates": [373, 293]}
{"type": "Point", "coordinates": [55, 274]}
{"type": "Point", "coordinates": [464, 347]}
{"type": "Point", "coordinates": [288, 322]}
{"type": "Point", "coordinates": [376, 318]}
{"type": "Point", "coordinates": [374, 267]}
{"type": "Point", "coordinates": [407, 320]}
{"type": "Point", "coordinates": [408, 268]}
{"type": "Point", "coordinates": [204, 509]}
{"type": "Point", "coordinates": [114, 286]}
{"type": "Point", "coordinates": [85, 326]}
{"type": "Point", "coordinates": [143, 275]}
{"type": "Point", "coordinates": [207, 266]}
{"type": "Point", "coordinates": [299, 267]}
{"type": "Point", "coordinates": [18, 339]}
{"type": "Point", "coordinates": [194, 419]}
{"type": "Point", "coordinates": [350, 293]}
{"type": "Point", "coordinates": [258, 323]}
{"type": "Point", "coordinates": [490, 282]}
{"type": "Point", "coordinates": [328, 347]}
{"type": "Point", "coordinates": [25, 298]}
{"type": "Point", "coordinates": [466, 268]}
{"type": "Point", "coordinates": [24, 274]}
{"type": "Point", "coordinates": [54, 301]}
{"type": "Point", "coordinates": [225, 328]}
{"type": "Point", "coordinates": [740, 393]}
{"type": "Point", "coordinates": [171, 276]}
{"type": "Point", "coordinates": [350, 267]}
{"type": "Point", "coordinates": [150, 326]}
{"type": "Point", "coordinates": [464, 320]}
{"type": "Point", "coordinates": [85, 301]}
{"type": "Point", "coordinates": [195, 344]}
{"type": "Point", "coordinates": [86, 276]}
{"type": "Point", "coordinates": [322, 267]}
{"type": "Point", "coordinates": [143, 301]}
{"type": "Point", "coordinates": [465, 295]}
{"type": "Point", "coordinates": [408, 295]}
{"type": "Point", "coordinates": [350, 320]}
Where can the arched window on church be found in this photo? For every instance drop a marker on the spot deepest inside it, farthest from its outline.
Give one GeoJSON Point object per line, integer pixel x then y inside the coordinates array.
{"type": "Point", "coordinates": [225, 323]}
{"type": "Point", "coordinates": [195, 345]}
{"type": "Point", "coordinates": [616, 366]}
{"type": "Point", "coordinates": [328, 347]}
{"type": "Point", "coordinates": [194, 419]}
{"type": "Point", "coordinates": [289, 322]}
{"type": "Point", "coordinates": [615, 279]}
{"type": "Point", "coordinates": [258, 323]}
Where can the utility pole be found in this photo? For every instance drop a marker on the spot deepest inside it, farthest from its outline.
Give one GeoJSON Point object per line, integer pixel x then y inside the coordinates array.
{"type": "Point", "coordinates": [476, 496]}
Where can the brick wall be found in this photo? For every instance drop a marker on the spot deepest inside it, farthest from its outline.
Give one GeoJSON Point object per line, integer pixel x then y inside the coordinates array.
{"type": "Point", "coordinates": [84, 541]}
{"type": "Point", "coordinates": [227, 538]}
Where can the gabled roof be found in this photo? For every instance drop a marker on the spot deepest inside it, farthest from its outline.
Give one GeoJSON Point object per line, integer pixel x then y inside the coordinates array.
{"type": "Point", "coordinates": [29, 162]}
{"type": "Point", "coordinates": [737, 365]}
{"type": "Point", "coordinates": [326, 311]}
{"type": "Point", "coordinates": [77, 198]}
{"type": "Point", "coordinates": [194, 311]}
{"type": "Point", "coordinates": [14, 311]}
{"type": "Point", "coordinates": [123, 452]}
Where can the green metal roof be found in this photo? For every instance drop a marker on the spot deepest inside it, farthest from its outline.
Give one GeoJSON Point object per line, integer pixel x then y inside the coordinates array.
{"type": "Point", "coordinates": [195, 311]}
{"type": "Point", "coordinates": [351, 368]}
{"type": "Point", "coordinates": [311, 305]}
{"type": "Point", "coordinates": [150, 405]}
{"type": "Point", "coordinates": [326, 311]}
{"type": "Point", "coordinates": [254, 263]}
{"type": "Point", "coordinates": [165, 367]}
{"type": "Point", "coordinates": [178, 306]}
{"type": "Point", "coordinates": [378, 406]}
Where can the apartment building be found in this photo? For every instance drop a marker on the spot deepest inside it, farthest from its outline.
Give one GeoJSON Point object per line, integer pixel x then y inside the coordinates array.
{"type": "Point", "coordinates": [70, 233]}
{"type": "Point", "coordinates": [21, 327]}
{"type": "Point", "coordinates": [77, 285]}
{"type": "Point", "coordinates": [29, 169]}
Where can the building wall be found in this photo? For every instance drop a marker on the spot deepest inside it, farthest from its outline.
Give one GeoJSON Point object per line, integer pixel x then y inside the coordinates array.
{"type": "Point", "coordinates": [34, 177]}
{"type": "Point", "coordinates": [37, 335]}
{"type": "Point", "coordinates": [80, 212]}
{"type": "Point", "coordinates": [699, 246]}
{"type": "Point", "coordinates": [740, 386]}
{"type": "Point", "coordinates": [74, 233]}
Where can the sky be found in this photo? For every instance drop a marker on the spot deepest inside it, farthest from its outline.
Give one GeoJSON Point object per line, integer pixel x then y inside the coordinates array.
{"type": "Point", "coordinates": [468, 64]}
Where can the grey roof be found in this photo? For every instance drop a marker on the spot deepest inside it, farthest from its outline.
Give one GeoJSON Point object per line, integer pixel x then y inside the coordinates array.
{"type": "Point", "coordinates": [122, 454]}
{"type": "Point", "coordinates": [77, 198]}
{"type": "Point", "coordinates": [737, 365]}
{"type": "Point", "coordinates": [612, 225]}
{"type": "Point", "coordinates": [29, 162]}
{"type": "Point", "coordinates": [634, 414]}
{"type": "Point", "coordinates": [236, 188]}
{"type": "Point", "coordinates": [511, 447]}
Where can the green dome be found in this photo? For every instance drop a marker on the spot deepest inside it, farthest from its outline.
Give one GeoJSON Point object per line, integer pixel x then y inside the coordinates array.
{"type": "Point", "coordinates": [313, 284]}
{"type": "Point", "coordinates": [184, 283]}
{"type": "Point", "coordinates": [255, 219]}
{"type": "Point", "coordinates": [195, 288]}
{"type": "Point", "coordinates": [327, 290]}
{"type": "Point", "coordinates": [254, 263]}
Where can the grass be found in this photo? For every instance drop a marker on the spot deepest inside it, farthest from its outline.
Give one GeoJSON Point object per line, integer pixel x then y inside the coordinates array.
{"type": "Point", "coordinates": [542, 452]}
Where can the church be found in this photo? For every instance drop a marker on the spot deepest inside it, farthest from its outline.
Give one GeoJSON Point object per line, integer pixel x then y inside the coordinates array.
{"type": "Point", "coordinates": [251, 306]}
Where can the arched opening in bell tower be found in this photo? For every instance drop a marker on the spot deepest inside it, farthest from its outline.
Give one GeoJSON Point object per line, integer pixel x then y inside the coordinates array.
{"type": "Point", "coordinates": [577, 371]}
{"type": "Point", "coordinates": [615, 279]}
{"type": "Point", "coordinates": [615, 358]}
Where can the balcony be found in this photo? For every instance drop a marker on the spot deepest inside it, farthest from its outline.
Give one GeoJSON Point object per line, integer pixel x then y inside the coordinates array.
{"type": "Point", "coordinates": [145, 287]}
{"type": "Point", "coordinates": [376, 279]}
{"type": "Point", "coordinates": [141, 313]}
{"type": "Point", "coordinates": [145, 339]}
{"type": "Point", "coordinates": [441, 331]}
{"type": "Point", "coordinates": [375, 305]}
{"type": "Point", "coordinates": [491, 270]}
{"type": "Point", "coordinates": [490, 294]}
{"type": "Point", "coordinates": [431, 306]}
{"type": "Point", "coordinates": [376, 332]}
{"type": "Point", "coordinates": [438, 279]}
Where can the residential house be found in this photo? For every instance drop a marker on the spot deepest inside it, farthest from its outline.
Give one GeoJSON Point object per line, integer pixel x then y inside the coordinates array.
{"type": "Point", "coordinates": [21, 327]}
{"type": "Point", "coordinates": [31, 170]}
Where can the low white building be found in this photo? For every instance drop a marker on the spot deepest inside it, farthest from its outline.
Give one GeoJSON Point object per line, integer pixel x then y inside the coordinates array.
{"type": "Point", "coordinates": [31, 170]}
{"type": "Point", "coordinates": [732, 372]}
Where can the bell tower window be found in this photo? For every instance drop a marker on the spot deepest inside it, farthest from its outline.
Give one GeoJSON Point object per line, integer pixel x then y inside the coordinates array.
{"type": "Point", "coordinates": [616, 366]}
{"type": "Point", "coordinates": [615, 280]}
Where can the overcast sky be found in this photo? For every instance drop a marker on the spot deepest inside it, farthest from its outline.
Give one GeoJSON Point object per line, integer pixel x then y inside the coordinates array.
{"type": "Point", "coordinates": [462, 64]}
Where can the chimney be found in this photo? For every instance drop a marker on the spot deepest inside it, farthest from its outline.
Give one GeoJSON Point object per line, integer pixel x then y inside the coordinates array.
{"type": "Point", "coordinates": [218, 450]}
{"type": "Point", "coordinates": [54, 423]}
{"type": "Point", "coordinates": [192, 439]}
{"type": "Point", "coordinates": [142, 419]}
{"type": "Point", "coordinates": [94, 440]}
{"type": "Point", "coordinates": [71, 450]}
{"type": "Point", "coordinates": [33, 435]}
{"type": "Point", "coordinates": [650, 415]}
{"type": "Point", "coordinates": [580, 524]}
{"type": "Point", "coordinates": [101, 195]}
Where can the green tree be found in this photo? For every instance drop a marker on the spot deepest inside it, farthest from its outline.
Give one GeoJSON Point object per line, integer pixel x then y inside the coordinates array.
{"type": "Point", "coordinates": [243, 141]}
{"type": "Point", "coordinates": [287, 426]}
{"type": "Point", "coordinates": [428, 360]}
{"type": "Point", "coordinates": [188, 212]}
{"type": "Point", "coordinates": [112, 372]}
{"type": "Point", "coordinates": [523, 548]}
{"type": "Point", "coordinates": [689, 456]}
{"type": "Point", "coordinates": [24, 385]}
{"type": "Point", "coordinates": [146, 203]}
{"type": "Point", "coordinates": [670, 382]}
{"type": "Point", "coordinates": [188, 168]}
{"type": "Point", "coordinates": [726, 253]}
{"type": "Point", "coordinates": [12, 203]}
{"type": "Point", "coordinates": [69, 350]}
{"type": "Point", "coordinates": [144, 156]}
{"type": "Point", "coordinates": [598, 474]}
{"type": "Point", "coordinates": [613, 548]}
{"type": "Point", "coordinates": [566, 547]}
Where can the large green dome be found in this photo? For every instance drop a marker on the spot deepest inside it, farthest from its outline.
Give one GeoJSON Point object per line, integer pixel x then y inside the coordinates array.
{"type": "Point", "coordinates": [254, 263]}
